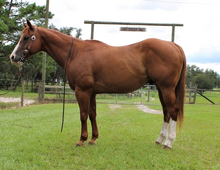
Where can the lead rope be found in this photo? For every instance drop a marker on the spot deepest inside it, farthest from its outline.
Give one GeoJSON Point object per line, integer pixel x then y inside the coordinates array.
{"type": "Point", "coordinates": [64, 89]}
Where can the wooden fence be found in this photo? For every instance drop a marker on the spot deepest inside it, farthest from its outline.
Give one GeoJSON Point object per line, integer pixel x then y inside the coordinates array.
{"type": "Point", "coordinates": [145, 95]}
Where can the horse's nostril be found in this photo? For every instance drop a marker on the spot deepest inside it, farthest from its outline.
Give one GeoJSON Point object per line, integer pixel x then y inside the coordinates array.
{"type": "Point", "coordinates": [12, 57]}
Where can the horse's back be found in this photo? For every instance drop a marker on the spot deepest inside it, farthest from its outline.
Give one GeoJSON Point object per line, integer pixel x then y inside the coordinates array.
{"type": "Point", "coordinates": [127, 68]}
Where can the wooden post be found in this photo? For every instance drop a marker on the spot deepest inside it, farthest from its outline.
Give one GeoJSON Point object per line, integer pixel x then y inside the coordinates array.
{"type": "Point", "coordinates": [195, 92]}
{"type": "Point", "coordinates": [44, 56]}
{"type": "Point", "coordinates": [22, 93]}
{"type": "Point", "coordinates": [39, 92]}
{"type": "Point", "coordinates": [190, 94]}
{"type": "Point", "coordinates": [148, 95]}
{"type": "Point", "coordinates": [141, 95]}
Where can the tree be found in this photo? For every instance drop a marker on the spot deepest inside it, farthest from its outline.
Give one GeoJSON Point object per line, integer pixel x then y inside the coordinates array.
{"type": "Point", "coordinates": [191, 72]}
{"type": "Point", "coordinates": [203, 81]}
{"type": "Point", "coordinates": [12, 15]}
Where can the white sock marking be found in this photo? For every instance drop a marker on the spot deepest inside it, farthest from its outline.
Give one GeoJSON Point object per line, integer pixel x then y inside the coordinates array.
{"type": "Point", "coordinates": [163, 132]}
{"type": "Point", "coordinates": [172, 134]}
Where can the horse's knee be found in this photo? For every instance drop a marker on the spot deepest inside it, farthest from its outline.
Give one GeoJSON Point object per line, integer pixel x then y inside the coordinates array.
{"type": "Point", "coordinates": [83, 116]}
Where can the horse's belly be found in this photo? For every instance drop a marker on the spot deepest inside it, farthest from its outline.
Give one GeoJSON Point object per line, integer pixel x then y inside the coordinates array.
{"type": "Point", "coordinates": [120, 83]}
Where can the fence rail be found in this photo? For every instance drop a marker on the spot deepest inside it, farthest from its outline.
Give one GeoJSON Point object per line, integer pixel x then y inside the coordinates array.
{"type": "Point", "coordinates": [147, 95]}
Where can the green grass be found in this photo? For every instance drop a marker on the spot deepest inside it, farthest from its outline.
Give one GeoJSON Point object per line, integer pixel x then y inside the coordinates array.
{"type": "Point", "coordinates": [17, 94]}
{"type": "Point", "coordinates": [9, 105]}
{"type": "Point", "coordinates": [213, 96]}
{"type": "Point", "coordinates": [30, 138]}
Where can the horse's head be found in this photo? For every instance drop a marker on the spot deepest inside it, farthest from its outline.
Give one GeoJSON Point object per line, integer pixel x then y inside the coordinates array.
{"type": "Point", "coordinates": [28, 44]}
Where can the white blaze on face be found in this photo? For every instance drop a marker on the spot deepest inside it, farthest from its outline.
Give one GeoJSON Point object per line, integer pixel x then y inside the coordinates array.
{"type": "Point", "coordinates": [13, 54]}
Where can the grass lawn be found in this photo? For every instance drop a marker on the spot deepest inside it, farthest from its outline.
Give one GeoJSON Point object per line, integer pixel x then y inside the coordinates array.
{"type": "Point", "coordinates": [30, 138]}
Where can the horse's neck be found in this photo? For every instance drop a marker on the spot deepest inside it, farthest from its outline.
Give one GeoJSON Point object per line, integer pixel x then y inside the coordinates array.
{"type": "Point", "coordinates": [56, 45]}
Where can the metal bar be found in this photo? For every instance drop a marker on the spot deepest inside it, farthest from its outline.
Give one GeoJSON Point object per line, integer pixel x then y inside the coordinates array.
{"type": "Point", "coordinates": [173, 33]}
{"type": "Point", "coordinates": [131, 23]}
{"type": "Point", "coordinates": [92, 30]}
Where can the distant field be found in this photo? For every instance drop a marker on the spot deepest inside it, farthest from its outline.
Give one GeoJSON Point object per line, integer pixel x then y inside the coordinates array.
{"type": "Point", "coordinates": [30, 138]}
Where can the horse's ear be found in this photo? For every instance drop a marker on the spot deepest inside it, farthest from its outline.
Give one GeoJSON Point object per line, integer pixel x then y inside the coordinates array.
{"type": "Point", "coordinates": [29, 24]}
{"type": "Point", "coordinates": [25, 25]}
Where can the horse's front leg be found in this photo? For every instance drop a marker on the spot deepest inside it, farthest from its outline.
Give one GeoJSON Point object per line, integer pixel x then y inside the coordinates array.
{"type": "Point", "coordinates": [83, 98]}
{"type": "Point", "coordinates": [92, 117]}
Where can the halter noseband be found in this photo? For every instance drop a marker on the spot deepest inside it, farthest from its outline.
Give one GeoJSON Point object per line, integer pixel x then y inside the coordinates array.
{"type": "Point", "coordinates": [33, 38]}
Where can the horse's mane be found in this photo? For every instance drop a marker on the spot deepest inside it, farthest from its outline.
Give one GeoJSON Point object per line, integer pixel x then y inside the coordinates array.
{"type": "Point", "coordinates": [57, 32]}
{"type": "Point", "coordinates": [96, 41]}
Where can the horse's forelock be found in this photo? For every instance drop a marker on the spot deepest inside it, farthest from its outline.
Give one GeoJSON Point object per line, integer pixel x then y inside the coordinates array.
{"type": "Point", "coordinates": [25, 29]}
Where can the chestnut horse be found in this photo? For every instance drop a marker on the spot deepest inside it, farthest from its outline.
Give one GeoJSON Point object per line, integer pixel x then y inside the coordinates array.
{"type": "Point", "coordinates": [95, 67]}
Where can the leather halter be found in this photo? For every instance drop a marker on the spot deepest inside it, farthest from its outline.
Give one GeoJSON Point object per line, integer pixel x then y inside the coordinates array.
{"type": "Point", "coordinates": [33, 38]}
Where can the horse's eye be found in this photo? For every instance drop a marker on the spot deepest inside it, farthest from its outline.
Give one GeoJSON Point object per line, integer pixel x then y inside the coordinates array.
{"type": "Point", "coordinates": [26, 38]}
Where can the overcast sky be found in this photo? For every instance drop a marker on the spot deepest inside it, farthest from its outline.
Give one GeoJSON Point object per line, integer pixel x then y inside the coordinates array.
{"type": "Point", "coordinates": [199, 37]}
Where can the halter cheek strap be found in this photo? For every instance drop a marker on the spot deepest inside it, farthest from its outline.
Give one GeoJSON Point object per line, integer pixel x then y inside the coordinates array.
{"type": "Point", "coordinates": [33, 38]}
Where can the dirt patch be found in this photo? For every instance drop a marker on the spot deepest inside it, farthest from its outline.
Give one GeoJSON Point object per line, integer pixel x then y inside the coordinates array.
{"type": "Point", "coordinates": [16, 100]}
{"type": "Point", "coordinates": [140, 107]}
{"type": "Point", "coordinates": [114, 106]}
{"type": "Point", "coordinates": [148, 110]}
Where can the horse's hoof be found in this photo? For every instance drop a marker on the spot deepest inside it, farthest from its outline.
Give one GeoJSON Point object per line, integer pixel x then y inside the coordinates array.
{"type": "Point", "coordinates": [91, 143]}
{"type": "Point", "coordinates": [166, 147]}
{"type": "Point", "coordinates": [157, 143]}
{"type": "Point", "coordinates": [78, 145]}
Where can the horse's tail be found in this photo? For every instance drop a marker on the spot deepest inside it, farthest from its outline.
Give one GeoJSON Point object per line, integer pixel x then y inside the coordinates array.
{"type": "Point", "coordinates": [180, 90]}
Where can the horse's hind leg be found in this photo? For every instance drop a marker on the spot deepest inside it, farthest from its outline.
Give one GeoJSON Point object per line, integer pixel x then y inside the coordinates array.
{"type": "Point", "coordinates": [164, 129]}
{"type": "Point", "coordinates": [171, 109]}
{"type": "Point", "coordinates": [92, 117]}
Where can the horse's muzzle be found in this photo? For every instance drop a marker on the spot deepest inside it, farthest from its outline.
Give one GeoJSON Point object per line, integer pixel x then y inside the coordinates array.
{"type": "Point", "coordinates": [15, 61]}
{"type": "Point", "coordinates": [19, 60]}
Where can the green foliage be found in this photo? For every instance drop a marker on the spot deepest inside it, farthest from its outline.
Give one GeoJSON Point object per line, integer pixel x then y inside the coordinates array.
{"type": "Point", "coordinates": [30, 139]}
{"type": "Point", "coordinates": [12, 15]}
{"type": "Point", "coordinates": [203, 81]}
{"type": "Point", "coordinates": [207, 79]}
